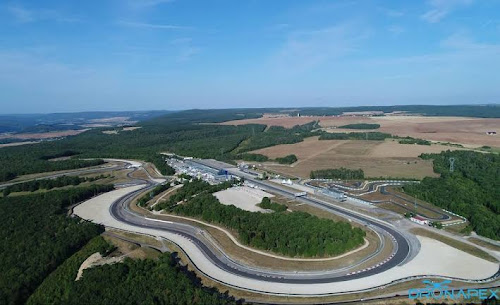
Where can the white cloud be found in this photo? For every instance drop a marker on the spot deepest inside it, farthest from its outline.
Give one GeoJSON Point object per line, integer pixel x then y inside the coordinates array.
{"type": "Point", "coordinates": [153, 25]}
{"type": "Point", "coordinates": [186, 50]}
{"type": "Point", "coordinates": [439, 9]}
{"type": "Point", "coordinates": [306, 49]}
{"type": "Point", "coordinates": [462, 41]}
{"type": "Point", "coordinates": [391, 12]}
{"type": "Point", "coordinates": [396, 30]}
{"type": "Point", "coordinates": [24, 15]}
{"type": "Point", "coordinates": [280, 26]}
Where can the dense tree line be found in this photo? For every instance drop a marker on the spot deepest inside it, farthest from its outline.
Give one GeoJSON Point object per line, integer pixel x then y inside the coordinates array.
{"type": "Point", "coordinates": [253, 157]}
{"type": "Point", "coordinates": [374, 136]}
{"type": "Point", "coordinates": [161, 281]}
{"type": "Point", "coordinates": [266, 203]}
{"type": "Point", "coordinates": [480, 111]}
{"type": "Point", "coordinates": [191, 188]}
{"type": "Point", "coordinates": [410, 140]}
{"type": "Point", "coordinates": [360, 126]}
{"type": "Point", "coordinates": [338, 173]}
{"type": "Point", "coordinates": [159, 162]}
{"type": "Point", "coordinates": [291, 234]}
{"type": "Point", "coordinates": [289, 159]}
{"type": "Point", "coordinates": [149, 195]}
{"type": "Point", "coordinates": [48, 184]}
{"type": "Point", "coordinates": [276, 135]}
{"type": "Point", "coordinates": [37, 236]}
{"type": "Point", "coordinates": [66, 153]}
{"type": "Point", "coordinates": [471, 190]}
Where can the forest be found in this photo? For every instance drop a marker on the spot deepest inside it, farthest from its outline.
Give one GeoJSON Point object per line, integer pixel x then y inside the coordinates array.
{"type": "Point", "coordinates": [48, 184]}
{"type": "Point", "coordinates": [148, 281]}
{"type": "Point", "coordinates": [338, 173]}
{"type": "Point", "coordinates": [360, 126]}
{"type": "Point", "coordinates": [190, 189]}
{"type": "Point", "coordinates": [19, 161]}
{"type": "Point", "coordinates": [472, 190]}
{"type": "Point", "coordinates": [143, 144]}
{"type": "Point", "coordinates": [159, 162]}
{"type": "Point", "coordinates": [276, 135]}
{"type": "Point", "coordinates": [37, 236]}
{"type": "Point", "coordinates": [277, 232]}
{"type": "Point", "coordinates": [186, 133]}
{"type": "Point", "coordinates": [266, 203]}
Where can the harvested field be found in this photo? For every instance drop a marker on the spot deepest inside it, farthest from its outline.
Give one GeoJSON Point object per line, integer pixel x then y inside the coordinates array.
{"type": "Point", "coordinates": [289, 121]}
{"type": "Point", "coordinates": [470, 132]}
{"type": "Point", "coordinates": [42, 135]}
{"type": "Point", "coordinates": [131, 128]}
{"type": "Point", "coordinates": [375, 158]}
{"type": "Point", "coordinates": [18, 143]}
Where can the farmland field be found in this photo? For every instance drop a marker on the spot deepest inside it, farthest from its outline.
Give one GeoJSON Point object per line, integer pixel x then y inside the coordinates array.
{"type": "Point", "coordinates": [375, 158]}
{"type": "Point", "coordinates": [470, 132]}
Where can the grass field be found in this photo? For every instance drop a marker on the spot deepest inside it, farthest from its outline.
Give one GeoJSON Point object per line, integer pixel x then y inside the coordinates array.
{"type": "Point", "coordinates": [482, 243]}
{"type": "Point", "coordinates": [376, 158]}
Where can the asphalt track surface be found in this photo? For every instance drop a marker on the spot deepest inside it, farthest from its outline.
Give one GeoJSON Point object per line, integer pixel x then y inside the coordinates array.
{"type": "Point", "coordinates": [120, 211]}
{"type": "Point", "coordinates": [372, 186]}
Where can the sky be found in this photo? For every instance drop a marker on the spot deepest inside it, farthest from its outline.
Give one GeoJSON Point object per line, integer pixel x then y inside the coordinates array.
{"type": "Point", "coordinates": [67, 56]}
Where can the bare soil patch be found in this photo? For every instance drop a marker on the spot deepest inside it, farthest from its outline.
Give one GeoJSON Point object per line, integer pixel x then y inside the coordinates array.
{"type": "Point", "coordinates": [454, 243]}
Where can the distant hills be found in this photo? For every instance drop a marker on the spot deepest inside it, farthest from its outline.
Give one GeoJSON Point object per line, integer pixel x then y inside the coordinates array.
{"type": "Point", "coordinates": [34, 123]}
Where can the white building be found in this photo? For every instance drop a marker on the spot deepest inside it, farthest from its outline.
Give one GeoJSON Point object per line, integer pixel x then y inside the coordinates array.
{"type": "Point", "coordinates": [419, 220]}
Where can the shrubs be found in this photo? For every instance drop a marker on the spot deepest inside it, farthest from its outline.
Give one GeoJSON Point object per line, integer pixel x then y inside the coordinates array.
{"type": "Point", "coordinates": [287, 159]}
{"type": "Point", "coordinates": [410, 140]}
{"type": "Point", "coordinates": [266, 203]}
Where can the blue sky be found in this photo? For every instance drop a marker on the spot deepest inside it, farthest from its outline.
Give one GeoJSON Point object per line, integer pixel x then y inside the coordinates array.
{"type": "Point", "coordinates": [60, 56]}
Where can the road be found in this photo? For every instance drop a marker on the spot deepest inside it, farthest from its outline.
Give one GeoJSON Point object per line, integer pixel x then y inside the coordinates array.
{"type": "Point", "coordinates": [120, 211]}
{"type": "Point", "coordinates": [373, 186]}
